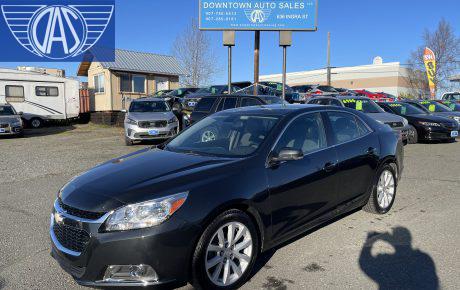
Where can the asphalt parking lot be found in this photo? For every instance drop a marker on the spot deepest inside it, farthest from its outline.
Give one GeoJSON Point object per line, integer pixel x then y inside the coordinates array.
{"type": "Point", "coordinates": [414, 246]}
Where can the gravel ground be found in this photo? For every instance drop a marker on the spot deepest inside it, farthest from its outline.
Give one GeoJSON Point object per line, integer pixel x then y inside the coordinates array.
{"type": "Point", "coordinates": [416, 242]}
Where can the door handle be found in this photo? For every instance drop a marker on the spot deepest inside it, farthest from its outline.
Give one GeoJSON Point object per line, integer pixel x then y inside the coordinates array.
{"type": "Point", "coordinates": [328, 167]}
{"type": "Point", "coordinates": [370, 151]}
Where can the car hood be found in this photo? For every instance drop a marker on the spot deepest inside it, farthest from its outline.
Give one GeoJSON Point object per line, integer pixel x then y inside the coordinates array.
{"type": "Point", "coordinates": [385, 117]}
{"type": "Point", "coordinates": [431, 118]}
{"type": "Point", "coordinates": [138, 177]}
{"type": "Point", "coordinates": [151, 116]}
{"type": "Point", "coordinates": [447, 114]}
{"type": "Point", "coordinates": [9, 119]}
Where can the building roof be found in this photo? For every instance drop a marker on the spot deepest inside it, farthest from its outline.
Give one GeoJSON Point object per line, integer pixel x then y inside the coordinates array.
{"type": "Point", "coordinates": [141, 62]}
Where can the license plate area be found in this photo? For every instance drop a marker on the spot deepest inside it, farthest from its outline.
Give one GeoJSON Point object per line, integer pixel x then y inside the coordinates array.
{"type": "Point", "coordinates": [153, 132]}
{"type": "Point", "coordinates": [454, 134]}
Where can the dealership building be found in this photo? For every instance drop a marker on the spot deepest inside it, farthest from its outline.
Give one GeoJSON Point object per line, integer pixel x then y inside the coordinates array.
{"type": "Point", "coordinates": [131, 76]}
{"type": "Point", "coordinates": [391, 77]}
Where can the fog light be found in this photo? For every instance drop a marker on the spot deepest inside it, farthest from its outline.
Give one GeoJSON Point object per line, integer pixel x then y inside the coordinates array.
{"type": "Point", "coordinates": [130, 273]}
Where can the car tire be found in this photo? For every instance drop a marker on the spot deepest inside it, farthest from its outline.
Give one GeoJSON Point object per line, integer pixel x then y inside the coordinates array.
{"type": "Point", "coordinates": [412, 136]}
{"type": "Point", "coordinates": [233, 266]}
{"type": "Point", "coordinates": [383, 192]}
{"type": "Point", "coordinates": [36, 123]}
{"type": "Point", "coordinates": [128, 142]}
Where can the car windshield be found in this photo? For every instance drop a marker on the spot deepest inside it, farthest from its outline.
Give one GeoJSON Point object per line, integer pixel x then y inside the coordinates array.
{"type": "Point", "coordinates": [276, 86]}
{"type": "Point", "coordinates": [212, 90]}
{"type": "Point", "coordinates": [302, 89]}
{"type": "Point", "coordinates": [7, 111]}
{"type": "Point", "coordinates": [272, 100]}
{"type": "Point", "coordinates": [435, 107]}
{"type": "Point", "coordinates": [455, 96]}
{"type": "Point", "coordinates": [327, 89]}
{"type": "Point", "coordinates": [225, 135]}
{"type": "Point", "coordinates": [148, 107]}
{"type": "Point", "coordinates": [405, 109]}
{"type": "Point", "coordinates": [363, 105]}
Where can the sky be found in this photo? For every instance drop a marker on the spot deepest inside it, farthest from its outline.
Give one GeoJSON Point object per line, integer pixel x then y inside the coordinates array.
{"type": "Point", "coordinates": [360, 30]}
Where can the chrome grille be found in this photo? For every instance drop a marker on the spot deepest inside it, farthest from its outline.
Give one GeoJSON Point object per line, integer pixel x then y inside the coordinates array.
{"type": "Point", "coordinates": [153, 124]}
{"type": "Point", "coordinates": [395, 124]}
{"type": "Point", "coordinates": [70, 237]}
{"type": "Point", "coordinates": [4, 126]}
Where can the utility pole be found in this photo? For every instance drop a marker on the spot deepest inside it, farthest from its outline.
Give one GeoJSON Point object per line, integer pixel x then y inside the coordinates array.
{"type": "Point", "coordinates": [256, 61]}
{"type": "Point", "coordinates": [285, 41]}
{"type": "Point", "coordinates": [229, 42]}
{"type": "Point", "coordinates": [328, 58]}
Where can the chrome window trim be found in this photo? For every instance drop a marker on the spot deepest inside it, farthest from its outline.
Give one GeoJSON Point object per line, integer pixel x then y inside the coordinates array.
{"type": "Point", "coordinates": [322, 149]}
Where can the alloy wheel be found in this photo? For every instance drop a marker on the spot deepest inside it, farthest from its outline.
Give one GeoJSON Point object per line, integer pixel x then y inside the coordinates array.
{"type": "Point", "coordinates": [228, 254]}
{"type": "Point", "coordinates": [385, 189]}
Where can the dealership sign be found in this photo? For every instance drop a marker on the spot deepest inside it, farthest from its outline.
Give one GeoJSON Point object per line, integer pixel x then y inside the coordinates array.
{"type": "Point", "coordinates": [56, 30]}
{"type": "Point", "coordinates": [295, 15]}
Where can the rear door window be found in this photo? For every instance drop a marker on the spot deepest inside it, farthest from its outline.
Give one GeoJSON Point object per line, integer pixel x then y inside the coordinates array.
{"type": "Point", "coordinates": [346, 127]}
{"type": "Point", "coordinates": [247, 102]}
{"type": "Point", "coordinates": [229, 103]}
{"type": "Point", "coordinates": [205, 104]}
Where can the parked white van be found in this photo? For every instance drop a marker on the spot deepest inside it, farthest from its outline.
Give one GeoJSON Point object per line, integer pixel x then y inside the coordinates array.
{"type": "Point", "coordinates": [39, 96]}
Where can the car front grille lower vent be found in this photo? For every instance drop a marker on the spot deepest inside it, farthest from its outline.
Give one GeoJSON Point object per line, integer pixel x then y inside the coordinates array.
{"type": "Point", "coordinates": [80, 213]}
{"type": "Point", "coordinates": [71, 238]}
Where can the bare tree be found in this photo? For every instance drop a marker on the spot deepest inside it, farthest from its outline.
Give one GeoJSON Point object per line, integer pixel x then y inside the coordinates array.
{"type": "Point", "coordinates": [446, 47]}
{"type": "Point", "coordinates": [193, 50]}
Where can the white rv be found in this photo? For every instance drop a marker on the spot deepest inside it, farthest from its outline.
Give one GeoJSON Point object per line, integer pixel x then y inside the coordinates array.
{"type": "Point", "coordinates": [40, 97]}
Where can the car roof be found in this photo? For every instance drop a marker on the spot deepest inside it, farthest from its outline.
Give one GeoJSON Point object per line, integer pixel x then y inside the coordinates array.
{"type": "Point", "coordinates": [279, 109]}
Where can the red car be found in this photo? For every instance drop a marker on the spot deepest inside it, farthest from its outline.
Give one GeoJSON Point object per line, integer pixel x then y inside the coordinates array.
{"type": "Point", "coordinates": [380, 97]}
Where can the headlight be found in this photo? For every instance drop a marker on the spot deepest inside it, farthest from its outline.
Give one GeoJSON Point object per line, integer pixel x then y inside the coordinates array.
{"type": "Point", "coordinates": [131, 121]}
{"type": "Point", "coordinates": [381, 122]}
{"type": "Point", "coordinates": [405, 122]}
{"type": "Point", "coordinates": [457, 119]}
{"type": "Point", "coordinates": [429, 124]}
{"type": "Point", "coordinates": [172, 120]}
{"type": "Point", "coordinates": [145, 214]}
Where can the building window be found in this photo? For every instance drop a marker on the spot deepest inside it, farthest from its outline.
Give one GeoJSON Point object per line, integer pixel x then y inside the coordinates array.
{"type": "Point", "coordinates": [46, 91]}
{"type": "Point", "coordinates": [132, 83]}
{"type": "Point", "coordinates": [99, 83]}
{"type": "Point", "coordinates": [14, 94]}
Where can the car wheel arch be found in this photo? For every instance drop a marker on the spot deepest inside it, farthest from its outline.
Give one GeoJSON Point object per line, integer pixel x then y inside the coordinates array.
{"type": "Point", "coordinates": [247, 208]}
{"type": "Point", "coordinates": [393, 162]}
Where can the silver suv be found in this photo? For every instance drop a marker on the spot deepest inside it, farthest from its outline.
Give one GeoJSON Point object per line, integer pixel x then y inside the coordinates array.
{"type": "Point", "coordinates": [10, 121]}
{"type": "Point", "coordinates": [149, 119]}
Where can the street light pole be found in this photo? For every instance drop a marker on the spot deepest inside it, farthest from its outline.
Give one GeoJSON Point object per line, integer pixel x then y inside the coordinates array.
{"type": "Point", "coordinates": [285, 41]}
{"type": "Point", "coordinates": [256, 60]}
{"type": "Point", "coordinates": [229, 41]}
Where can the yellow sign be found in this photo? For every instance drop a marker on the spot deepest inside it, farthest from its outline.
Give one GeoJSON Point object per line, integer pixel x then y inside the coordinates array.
{"type": "Point", "coordinates": [429, 59]}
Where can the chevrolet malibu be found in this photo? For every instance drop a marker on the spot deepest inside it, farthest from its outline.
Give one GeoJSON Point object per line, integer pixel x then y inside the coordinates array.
{"type": "Point", "coordinates": [201, 209]}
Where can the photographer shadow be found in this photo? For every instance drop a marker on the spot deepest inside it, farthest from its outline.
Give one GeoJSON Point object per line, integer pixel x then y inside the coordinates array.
{"type": "Point", "coordinates": [406, 268]}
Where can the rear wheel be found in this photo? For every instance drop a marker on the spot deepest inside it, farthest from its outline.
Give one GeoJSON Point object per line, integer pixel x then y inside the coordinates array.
{"type": "Point", "coordinates": [226, 252]}
{"type": "Point", "coordinates": [383, 192]}
{"type": "Point", "coordinates": [412, 135]}
{"type": "Point", "coordinates": [36, 123]}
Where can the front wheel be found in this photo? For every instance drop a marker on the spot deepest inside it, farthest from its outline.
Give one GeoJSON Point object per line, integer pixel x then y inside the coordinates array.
{"type": "Point", "coordinates": [412, 135]}
{"type": "Point", "coordinates": [226, 252]}
{"type": "Point", "coordinates": [383, 192]}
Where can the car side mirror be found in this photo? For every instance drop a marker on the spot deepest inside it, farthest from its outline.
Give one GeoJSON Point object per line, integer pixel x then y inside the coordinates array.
{"type": "Point", "coordinates": [287, 154]}
{"type": "Point", "coordinates": [21, 113]}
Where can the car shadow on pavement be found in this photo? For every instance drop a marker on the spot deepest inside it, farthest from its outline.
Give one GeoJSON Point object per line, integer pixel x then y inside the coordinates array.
{"type": "Point", "coordinates": [30, 133]}
{"type": "Point", "coordinates": [403, 268]}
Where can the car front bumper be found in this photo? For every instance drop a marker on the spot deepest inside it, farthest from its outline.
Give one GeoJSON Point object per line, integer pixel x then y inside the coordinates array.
{"type": "Point", "coordinates": [135, 133]}
{"type": "Point", "coordinates": [436, 133]}
{"type": "Point", "coordinates": [10, 131]}
{"type": "Point", "coordinates": [166, 248]}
